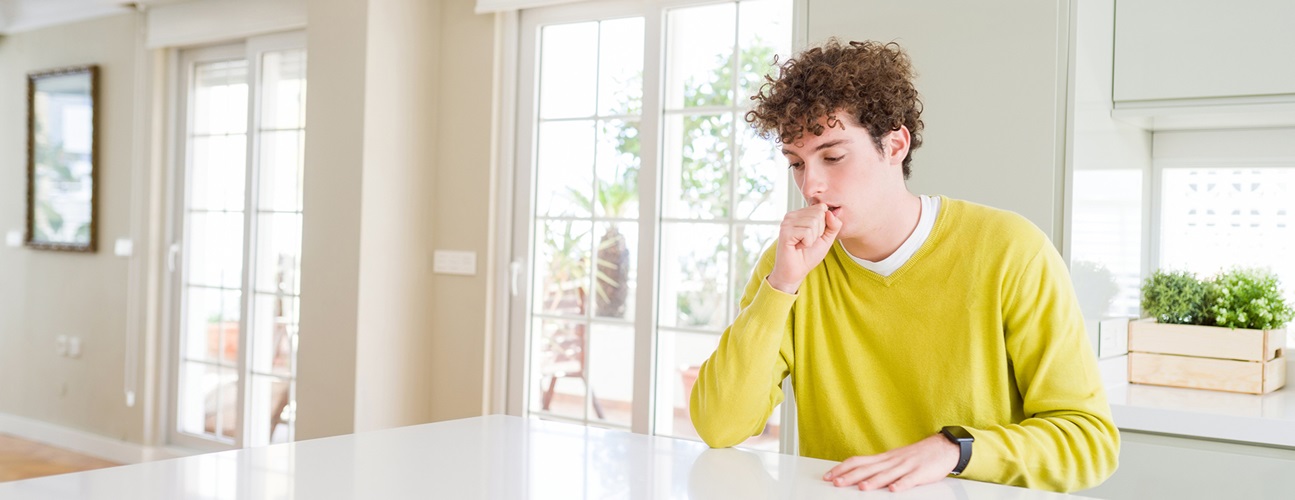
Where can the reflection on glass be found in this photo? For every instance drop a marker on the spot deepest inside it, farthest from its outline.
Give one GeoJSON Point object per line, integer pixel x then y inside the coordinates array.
{"type": "Point", "coordinates": [565, 169]}
{"type": "Point", "coordinates": [559, 367]}
{"type": "Point", "coordinates": [615, 270]}
{"type": "Point", "coordinates": [568, 70]}
{"type": "Point", "coordinates": [697, 166]}
{"type": "Point", "coordinates": [695, 273]}
{"type": "Point", "coordinates": [700, 56]}
{"type": "Point", "coordinates": [278, 253]}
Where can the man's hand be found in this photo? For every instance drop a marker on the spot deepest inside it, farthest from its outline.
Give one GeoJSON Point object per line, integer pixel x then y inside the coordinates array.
{"type": "Point", "coordinates": [804, 238]}
{"type": "Point", "coordinates": [925, 461]}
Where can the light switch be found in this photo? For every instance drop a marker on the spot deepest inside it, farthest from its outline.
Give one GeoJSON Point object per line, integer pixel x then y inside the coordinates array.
{"type": "Point", "coordinates": [454, 262]}
{"type": "Point", "coordinates": [13, 238]}
{"type": "Point", "coordinates": [1112, 337]}
{"type": "Point", "coordinates": [124, 247]}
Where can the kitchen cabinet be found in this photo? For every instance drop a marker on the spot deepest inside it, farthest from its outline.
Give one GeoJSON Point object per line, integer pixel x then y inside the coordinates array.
{"type": "Point", "coordinates": [1204, 49]}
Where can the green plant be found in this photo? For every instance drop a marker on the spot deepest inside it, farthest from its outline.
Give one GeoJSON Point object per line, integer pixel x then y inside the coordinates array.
{"type": "Point", "coordinates": [1246, 298]}
{"type": "Point", "coordinates": [1174, 297]}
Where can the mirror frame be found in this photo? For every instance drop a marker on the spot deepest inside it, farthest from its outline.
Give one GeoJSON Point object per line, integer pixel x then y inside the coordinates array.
{"type": "Point", "coordinates": [71, 244]}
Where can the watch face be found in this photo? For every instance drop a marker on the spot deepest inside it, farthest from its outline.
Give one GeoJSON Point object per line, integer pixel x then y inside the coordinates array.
{"type": "Point", "coordinates": [957, 434]}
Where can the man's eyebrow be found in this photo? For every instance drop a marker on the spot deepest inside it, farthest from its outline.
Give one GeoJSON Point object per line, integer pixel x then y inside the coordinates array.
{"type": "Point", "coordinates": [821, 147]}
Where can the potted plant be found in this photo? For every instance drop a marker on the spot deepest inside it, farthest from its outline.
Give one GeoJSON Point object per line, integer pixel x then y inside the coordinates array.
{"type": "Point", "coordinates": [1225, 333]}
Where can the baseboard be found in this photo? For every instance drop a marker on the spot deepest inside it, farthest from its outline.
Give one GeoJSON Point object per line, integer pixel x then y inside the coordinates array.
{"type": "Point", "coordinates": [86, 443]}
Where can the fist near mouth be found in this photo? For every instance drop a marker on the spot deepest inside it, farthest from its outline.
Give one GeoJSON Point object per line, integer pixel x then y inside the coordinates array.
{"type": "Point", "coordinates": [804, 238]}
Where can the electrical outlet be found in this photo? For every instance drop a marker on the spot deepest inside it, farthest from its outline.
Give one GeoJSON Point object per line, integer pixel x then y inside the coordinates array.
{"type": "Point", "coordinates": [454, 262]}
{"type": "Point", "coordinates": [60, 345]}
{"type": "Point", "coordinates": [74, 347]}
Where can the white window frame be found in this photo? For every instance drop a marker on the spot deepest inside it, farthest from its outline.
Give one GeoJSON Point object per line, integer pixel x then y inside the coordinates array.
{"type": "Point", "coordinates": [182, 64]}
{"type": "Point", "coordinates": [517, 95]}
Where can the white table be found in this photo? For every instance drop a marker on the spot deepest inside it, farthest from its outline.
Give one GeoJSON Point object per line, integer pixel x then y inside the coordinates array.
{"type": "Point", "coordinates": [487, 457]}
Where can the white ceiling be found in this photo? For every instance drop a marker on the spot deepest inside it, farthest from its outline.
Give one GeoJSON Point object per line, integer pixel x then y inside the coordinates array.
{"type": "Point", "coordinates": [23, 15]}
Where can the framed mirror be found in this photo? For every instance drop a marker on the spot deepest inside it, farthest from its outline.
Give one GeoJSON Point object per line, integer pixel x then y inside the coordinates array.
{"type": "Point", "coordinates": [61, 159]}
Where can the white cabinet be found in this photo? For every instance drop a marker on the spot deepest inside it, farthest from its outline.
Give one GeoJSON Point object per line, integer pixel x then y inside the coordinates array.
{"type": "Point", "coordinates": [1203, 49]}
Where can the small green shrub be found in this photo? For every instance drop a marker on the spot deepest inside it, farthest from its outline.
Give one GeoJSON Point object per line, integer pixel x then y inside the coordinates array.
{"type": "Point", "coordinates": [1174, 297]}
{"type": "Point", "coordinates": [1246, 298]}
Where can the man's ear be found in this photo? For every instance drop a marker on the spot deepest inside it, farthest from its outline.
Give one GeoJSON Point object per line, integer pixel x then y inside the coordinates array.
{"type": "Point", "coordinates": [896, 143]}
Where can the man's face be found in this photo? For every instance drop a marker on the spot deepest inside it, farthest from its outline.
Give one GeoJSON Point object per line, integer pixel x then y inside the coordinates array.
{"type": "Point", "coordinates": [844, 169]}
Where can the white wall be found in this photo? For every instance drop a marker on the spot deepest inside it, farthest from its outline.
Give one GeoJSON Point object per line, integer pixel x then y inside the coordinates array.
{"type": "Point", "coordinates": [992, 76]}
{"type": "Point", "coordinates": [397, 163]}
{"type": "Point", "coordinates": [44, 294]}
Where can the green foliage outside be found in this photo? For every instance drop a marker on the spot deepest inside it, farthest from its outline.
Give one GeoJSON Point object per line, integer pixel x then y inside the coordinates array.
{"type": "Point", "coordinates": [707, 170]}
{"type": "Point", "coordinates": [1239, 298]}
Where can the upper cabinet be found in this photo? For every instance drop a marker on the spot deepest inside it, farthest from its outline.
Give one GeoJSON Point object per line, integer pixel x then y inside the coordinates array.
{"type": "Point", "coordinates": [1204, 49]}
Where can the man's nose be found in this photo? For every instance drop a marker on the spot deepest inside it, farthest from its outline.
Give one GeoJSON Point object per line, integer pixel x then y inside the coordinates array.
{"type": "Point", "coordinates": [814, 182]}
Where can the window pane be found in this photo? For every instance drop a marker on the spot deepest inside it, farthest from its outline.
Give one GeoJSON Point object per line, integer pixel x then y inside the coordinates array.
{"type": "Point", "coordinates": [274, 331]}
{"type": "Point", "coordinates": [564, 177]}
{"type": "Point", "coordinates": [611, 373]}
{"type": "Point", "coordinates": [283, 90]}
{"type": "Point", "coordinates": [1213, 219]}
{"type": "Point", "coordinates": [754, 239]}
{"type": "Point", "coordinates": [218, 172]}
{"type": "Point", "coordinates": [697, 166]}
{"type": "Point", "coordinates": [215, 246]}
{"type": "Point", "coordinates": [764, 29]}
{"type": "Point", "coordinates": [278, 253]}
{"type": "Point", "coordinates": [762, 186]}
{"type": "Point", "coordinates": [694, 275]}
{"type": "Point", "coordinates": [208, 400]}
{"type": "Point", "coordinates": [618, 169]}
{"type": "Point", "coordinates": [267, 405]}
{"type": "Point", "coordinates": [679, 358]}
{"type": "Point", "coordinates": [280, 170]}
{"type": "Point", "coordinates": [220, 98]}
{"type": "Point", "coordinates": [212, 327]}
{"type": "Point", "coordinates": [617, 270]}
{"type": "Point", "coordinates": [558, 367]}
{"type": "Point", "coordinates": [568, 70]}
{"type": "Point", "coordinates": [562, 267]}
{"type": "Point", "coordinates": [699, 56]}
{"type": "Point", "coordinates": [1106, 250]}
{"type": "Point", "coordinates": [620, 67]}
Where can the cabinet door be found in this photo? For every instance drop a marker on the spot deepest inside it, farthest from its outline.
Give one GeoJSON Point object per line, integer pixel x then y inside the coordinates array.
{"type": "Point", "coordinates": [1191, 49]}
{"type": "Point", "coordinates": [992, 76]}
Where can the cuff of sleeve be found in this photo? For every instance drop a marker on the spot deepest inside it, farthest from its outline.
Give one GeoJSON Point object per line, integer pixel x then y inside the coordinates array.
{"type": "Point", "coordinates": [981, 467]}
{"type": "Point", "coordinates": [769, 295]}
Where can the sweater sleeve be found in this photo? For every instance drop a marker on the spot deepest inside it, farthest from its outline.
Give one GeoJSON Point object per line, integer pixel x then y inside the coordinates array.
{"type": "Point", "coordinates": [740, 384]}
{"type": "Point", "coordinates": [1067, 441]}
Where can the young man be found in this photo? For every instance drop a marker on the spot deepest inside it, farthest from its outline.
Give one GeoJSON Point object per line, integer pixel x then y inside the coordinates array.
{"type": "Point", "coordinates": [924, 336]}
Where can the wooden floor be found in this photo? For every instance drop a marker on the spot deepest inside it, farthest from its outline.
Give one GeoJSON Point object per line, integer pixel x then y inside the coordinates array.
{"type": "Point", "coordinates": [22, 459]}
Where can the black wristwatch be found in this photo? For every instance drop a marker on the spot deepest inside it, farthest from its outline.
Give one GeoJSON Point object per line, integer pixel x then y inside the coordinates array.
{"type": "Point", "coordinates": [959, 436]}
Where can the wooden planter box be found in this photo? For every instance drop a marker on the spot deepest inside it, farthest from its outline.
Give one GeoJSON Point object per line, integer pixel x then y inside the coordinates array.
{"type": "Point", "coordinates": [1206, 357]}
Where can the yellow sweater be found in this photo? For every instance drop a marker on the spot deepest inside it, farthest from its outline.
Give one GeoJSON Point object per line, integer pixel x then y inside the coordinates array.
{"type": "Point", "coordinates": [980, 328]}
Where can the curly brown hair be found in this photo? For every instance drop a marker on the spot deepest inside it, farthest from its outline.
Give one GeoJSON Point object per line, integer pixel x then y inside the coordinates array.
{"type": "Point", "coordinates": [871, 81]}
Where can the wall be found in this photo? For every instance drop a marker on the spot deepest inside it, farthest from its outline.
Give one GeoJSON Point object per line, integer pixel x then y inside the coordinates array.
{"type": "Point", "coordinates": [397, 164]}
{"type": "Point", "coordinates": [992, 76]}
{"type": "Point", "coordinates": [44, 294]}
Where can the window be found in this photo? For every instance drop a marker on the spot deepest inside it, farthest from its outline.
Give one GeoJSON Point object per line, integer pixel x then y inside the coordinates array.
{"type": "Point", "coordinates": [237, 242]}
{"type": "Point", "coordinates": [646, 201]}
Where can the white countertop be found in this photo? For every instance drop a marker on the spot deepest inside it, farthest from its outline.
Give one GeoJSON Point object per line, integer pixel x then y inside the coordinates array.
{"type": "Point", "coordinates": [1268, 419]}
{"type": "Point", "coordinates": [483, 458]}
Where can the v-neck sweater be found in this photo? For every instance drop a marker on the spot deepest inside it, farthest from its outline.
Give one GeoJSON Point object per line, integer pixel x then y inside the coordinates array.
{"type": "Point", "coordinates": [980, 328]}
